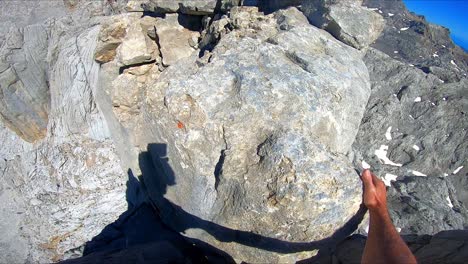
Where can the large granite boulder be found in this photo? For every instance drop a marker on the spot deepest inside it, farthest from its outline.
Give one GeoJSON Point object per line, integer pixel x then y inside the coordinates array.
{"type": "Point", "coordinates": [346, 20]}
{"type": "Point", "coordinates": [256, 134]}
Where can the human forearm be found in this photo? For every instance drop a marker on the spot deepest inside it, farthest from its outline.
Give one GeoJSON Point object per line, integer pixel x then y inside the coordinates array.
{"type": "Point", "coordinates": [384, 244]}
{"type": "Point", "coordinates": [392, 248]}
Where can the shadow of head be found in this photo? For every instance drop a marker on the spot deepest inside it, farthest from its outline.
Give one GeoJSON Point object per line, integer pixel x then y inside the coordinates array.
{"type": "Point", "coordinates": [155, 169]}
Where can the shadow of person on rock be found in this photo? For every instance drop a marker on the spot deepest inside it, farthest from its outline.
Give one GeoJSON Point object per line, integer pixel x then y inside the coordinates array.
{"type": "Point", "coordinates": [157, 175]}
{"type": "Point", "coordinates": [152, 226]}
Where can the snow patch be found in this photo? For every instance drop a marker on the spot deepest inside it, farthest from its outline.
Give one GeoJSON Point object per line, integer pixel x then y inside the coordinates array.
{"type": "Point", "coordinates": [416, 147]}
{"type": "Point", "coordinates": [405, 28]}
{"type": "Point", "coordinates": [445, 99]}
{"type": "Point", "coordinates": [398, 229]}
{"type": "Point", "coordinates": [388, 134]}
{"type": "Point", "coordinates": [435, 55]}
{"type": "Point", "coordinates": [396, 51]}
{"type": "Point", "coordinates": [445, 174]}
{"type": "Point", "coordinates": [365, 165]}
{"type": "Point", "coordinates": [389, 178]}
{"type": "Point", "coordinates": [381, 154]}
{"type": "Point", "coordinates": [417, 99]}
{"type": "Point", "coordinates": [390, 14]}
{"type": "Point", "coordinates": [417, 173]}
{"type": "Point", "coordinates": [453, 63]}
{"type": "Point", "coordinates": [457, 170]}
{"type": "Point", "coordinates": [449, 202]}
{"type": "Point", "coordinates": [380, 11]}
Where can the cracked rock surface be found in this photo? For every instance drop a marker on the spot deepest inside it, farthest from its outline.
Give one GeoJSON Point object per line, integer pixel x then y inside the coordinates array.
{"type": "Point", "coordinates": [254, 122]}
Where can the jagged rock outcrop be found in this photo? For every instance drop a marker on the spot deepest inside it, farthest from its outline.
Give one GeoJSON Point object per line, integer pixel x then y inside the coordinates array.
{"type": "Point", "coordinates": [347, 20]}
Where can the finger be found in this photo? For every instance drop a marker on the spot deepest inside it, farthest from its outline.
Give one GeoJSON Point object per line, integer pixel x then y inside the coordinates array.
{"type": "Point", "coordinates": [367, 179]}
{"type": "Point", "coordinates": [375, 179]}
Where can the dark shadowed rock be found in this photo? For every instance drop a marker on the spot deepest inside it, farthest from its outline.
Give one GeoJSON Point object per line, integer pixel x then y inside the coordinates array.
{"type": "Point", "coordinates": [410, 38]}
{"type": "Point", "coordinates": [425, 205]}
{"type": "Point", "coordinates": [443, 247]}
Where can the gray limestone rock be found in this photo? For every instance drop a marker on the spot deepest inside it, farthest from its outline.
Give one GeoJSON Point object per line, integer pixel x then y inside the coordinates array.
{"type": "Point", "coordinates": [25, 99]}
{"type": "Point", "coordinates": [261, 116]}
{"type": "Point", "coordinates": [257, 135]}
{"type": "Point", "coordinates": [348, 21]}
{"type": "Point", "coordinates": [410, 38]}
{"type": "Point", "coordinates": [405, 130]}
{"type": "Point", "coordinates": [425, 206]}
{"type": "Point", "coordinates": [174, 39]}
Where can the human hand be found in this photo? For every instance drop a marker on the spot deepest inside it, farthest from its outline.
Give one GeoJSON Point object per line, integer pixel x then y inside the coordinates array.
{"type": "Point", "coordinates": [375, 194]}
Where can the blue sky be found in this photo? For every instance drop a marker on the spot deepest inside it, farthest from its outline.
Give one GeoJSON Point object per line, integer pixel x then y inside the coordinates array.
{"type": "Point", "coordinates": [452, 14]}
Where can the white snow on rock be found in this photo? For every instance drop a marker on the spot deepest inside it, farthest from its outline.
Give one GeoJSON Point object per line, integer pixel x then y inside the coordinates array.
{"type": "Point", "coordinates": [405, 28]}
{"type": "Point", "coordinates": [435, 55]}
{"type": "Point", "coordinates": [398, 229]}
{"type": "Point", "coordinates": [449, 202]}
{"type": "Point", "coordinates": [445, 174]}
{"type": "Point", "coordinates": [457, 170]}
{"type": "Point", "coordinates": [453, 62]}
{"type": "Point", "coordinates": [396, 51]}
{"type": "Point", "coordinates": [417, 173]}
{"type": "Point", "coordinates": [380, 11]}
{"type": "Point", "coordinates": [417, 99]}
{"type": "Point", "coordinates": [388, 134]}
{"type": "Point", "coordinates": [365, 165]}
{"type": "Point", "coordinates": [390, 14]}
{"type": "Point", "coordinates": [389, 178]}
{"type": "Point", "coordinates": [381, 153]}
{"type": "Point", "coordinates": [416, 147]}
{"type": "Point", "coordinates": [445, 99]}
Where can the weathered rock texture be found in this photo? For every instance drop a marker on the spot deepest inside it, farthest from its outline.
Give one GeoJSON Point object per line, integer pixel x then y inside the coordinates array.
{"type": "Point", "coordinates": [347, 20]}
{"type": "Point", "coordinates": [243, 156]}
{"type": "Point", "coordinates": [259, 122]}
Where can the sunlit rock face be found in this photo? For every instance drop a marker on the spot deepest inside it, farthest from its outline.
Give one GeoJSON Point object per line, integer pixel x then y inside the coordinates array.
{"type": "Point", "coordinates": [260, 122]}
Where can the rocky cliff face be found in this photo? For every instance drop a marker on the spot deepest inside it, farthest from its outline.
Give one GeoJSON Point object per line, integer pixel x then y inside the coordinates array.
{"type": "Point", "coordinates": [255, 122]}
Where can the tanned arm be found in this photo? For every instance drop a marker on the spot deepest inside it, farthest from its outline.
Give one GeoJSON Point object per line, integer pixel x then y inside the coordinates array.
{"type": "Point", "coordinates": [384, 244]}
